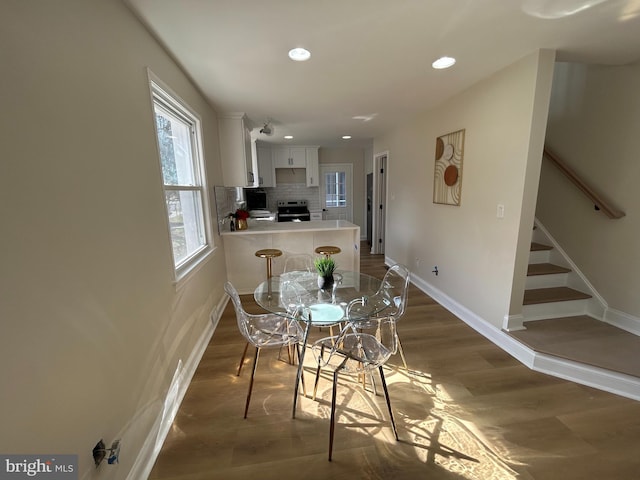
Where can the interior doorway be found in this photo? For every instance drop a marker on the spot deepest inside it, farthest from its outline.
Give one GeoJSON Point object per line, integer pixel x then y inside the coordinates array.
{"type": "Point", "coordinates": [379, 202]}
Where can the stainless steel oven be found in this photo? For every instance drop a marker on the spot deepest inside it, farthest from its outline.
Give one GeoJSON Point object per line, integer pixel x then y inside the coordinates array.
{"type": "Point", "coordinates": [293, 211]}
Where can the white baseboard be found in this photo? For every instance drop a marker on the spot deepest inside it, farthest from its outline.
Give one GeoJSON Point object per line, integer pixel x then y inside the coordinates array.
{"type": "Point", "coordinates": [513, 323]}
{"type": "Point", "coordinates": [607, 380]}
{"type": "Point", "coordinates": [613, 382]}
{"type": "Point", "coordinates": [175, 394]}
{"type": "Point", "coordinates": [622, 320]}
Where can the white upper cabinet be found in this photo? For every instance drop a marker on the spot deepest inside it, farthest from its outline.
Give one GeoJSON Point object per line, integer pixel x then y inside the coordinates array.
{"type": "Point", "coordinates": [237, 151]}
{"type": "Point", "coordinates": [265, 167]}
{"type": "Point", "coordinates": [313, 170]}
{"type": "Point", "coordinates": [289, 157]}
{"type": "Point", "coordinates": [278, 156]}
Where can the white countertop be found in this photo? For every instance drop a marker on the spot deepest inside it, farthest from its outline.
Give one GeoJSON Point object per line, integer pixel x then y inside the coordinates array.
{"type": "Point", "coordinates": [260, 227]}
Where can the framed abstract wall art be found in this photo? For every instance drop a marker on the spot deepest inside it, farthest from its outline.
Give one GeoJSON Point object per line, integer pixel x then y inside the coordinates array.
{"type": "Point", "coordinates": [447, 177]}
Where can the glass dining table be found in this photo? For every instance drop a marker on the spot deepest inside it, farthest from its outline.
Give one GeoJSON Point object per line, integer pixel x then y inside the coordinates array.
{"type": "Point", "coordinates": [298, 294]}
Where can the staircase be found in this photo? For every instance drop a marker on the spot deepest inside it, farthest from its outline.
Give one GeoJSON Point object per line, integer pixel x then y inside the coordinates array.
{"type": "Point", "coordinates": [553, 287]}
{"type": "Point", "coordinates": [563, 329]}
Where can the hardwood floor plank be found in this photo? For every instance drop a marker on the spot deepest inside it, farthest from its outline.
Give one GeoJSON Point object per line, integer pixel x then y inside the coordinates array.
{"type": "Point", "coordinates": [465, 410]}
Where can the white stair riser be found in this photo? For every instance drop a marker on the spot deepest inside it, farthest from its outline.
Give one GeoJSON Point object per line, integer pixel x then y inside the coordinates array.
{"type": "Point", "coordinates": [539, 256]}
{"type": "Point", "coordinates": [543, 311]}
{"type": "Point", "coordinates": [546, 281]}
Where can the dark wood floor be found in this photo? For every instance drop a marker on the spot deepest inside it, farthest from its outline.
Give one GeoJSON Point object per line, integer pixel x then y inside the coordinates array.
{"type": "Point", "coordinates": [465, 410]}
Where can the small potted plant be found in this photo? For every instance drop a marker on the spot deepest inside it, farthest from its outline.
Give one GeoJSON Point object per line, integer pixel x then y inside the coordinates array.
{"type": "Point", "coordinates": [325, 267]}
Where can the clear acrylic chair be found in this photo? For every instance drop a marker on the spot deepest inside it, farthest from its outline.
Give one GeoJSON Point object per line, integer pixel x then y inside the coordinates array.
{"type": "Point", "coordinates": [299, 262]}
{"type": "Point", "coordinates": [390, 299]}
{"type": "Point", "coordinates": [301, 304]}
{"type": "Point", "coordinates": [360, 348]}
{"type": "Point", "coordinates": [263, 331]}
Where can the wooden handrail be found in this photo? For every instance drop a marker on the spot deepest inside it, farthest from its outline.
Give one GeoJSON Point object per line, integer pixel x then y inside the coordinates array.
{"type": "Point", "coordinates": [599, 202]}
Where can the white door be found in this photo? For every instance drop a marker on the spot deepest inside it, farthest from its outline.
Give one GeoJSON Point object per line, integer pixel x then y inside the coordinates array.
{"type": "Point", "coordinates": [336, 191]}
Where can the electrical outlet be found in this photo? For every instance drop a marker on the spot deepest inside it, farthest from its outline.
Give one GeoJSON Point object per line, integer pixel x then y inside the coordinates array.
{"type": "Point", "coordinates": [500, 211]}
{"type": "Point", "coordinates": [114, 453]}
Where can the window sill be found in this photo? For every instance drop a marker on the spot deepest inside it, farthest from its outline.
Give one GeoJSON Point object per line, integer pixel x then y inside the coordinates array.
{"type": "Point", "coordinates": [187, 274]}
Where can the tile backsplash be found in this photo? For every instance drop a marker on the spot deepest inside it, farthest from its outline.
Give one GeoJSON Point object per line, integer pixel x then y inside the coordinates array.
{"type": "Point", "coordinates": [228, 200]}
{"type": "Point", "coordinates": [293, 191]}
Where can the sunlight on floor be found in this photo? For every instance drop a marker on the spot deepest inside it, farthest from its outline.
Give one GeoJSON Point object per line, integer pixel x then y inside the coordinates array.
{"type": "Point", "coordinates": [427, 417]}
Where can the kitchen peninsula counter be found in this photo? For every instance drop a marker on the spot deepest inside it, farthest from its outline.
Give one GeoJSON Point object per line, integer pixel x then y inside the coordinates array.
{"type": "Point", "coordinates": [246, 271]}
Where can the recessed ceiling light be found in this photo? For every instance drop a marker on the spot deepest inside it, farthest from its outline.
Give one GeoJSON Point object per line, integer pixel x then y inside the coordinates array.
{"type": "Point", "coordinates": [443, 62]}
{"type": "Point", "coordinates": [346, 137]}
{"type": "Point", "coordinates": [299, 54]}
{"type": "Point", "coordinates": [288, 137]}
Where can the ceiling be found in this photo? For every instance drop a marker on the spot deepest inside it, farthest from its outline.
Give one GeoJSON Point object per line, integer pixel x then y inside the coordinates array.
{"type": "Point", "coordinates": [370, 65]}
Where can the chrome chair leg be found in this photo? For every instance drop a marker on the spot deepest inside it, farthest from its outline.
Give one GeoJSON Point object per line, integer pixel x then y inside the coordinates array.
{"type": "Point", "coordinates": [253, 373]}
{"type": "Point", "coordinates": [386, 396]}
{"type": "Point", "coordinates": [244, 354]}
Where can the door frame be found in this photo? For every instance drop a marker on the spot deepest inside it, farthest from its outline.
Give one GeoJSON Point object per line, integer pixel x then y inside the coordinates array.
{"type": "Point", "coordinates": [380, 166]}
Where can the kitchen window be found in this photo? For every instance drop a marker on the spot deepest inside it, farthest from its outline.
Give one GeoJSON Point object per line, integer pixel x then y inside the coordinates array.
{"type": "Point", "coordinates": [179, 135]}
{"type": "Point", "coordinates": [336, 189]}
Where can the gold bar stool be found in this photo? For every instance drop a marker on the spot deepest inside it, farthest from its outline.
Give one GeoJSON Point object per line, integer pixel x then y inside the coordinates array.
{"type": "Point", "coordinates": [268, 253]}
{"type": "Point", "coordinates": [328, 250]}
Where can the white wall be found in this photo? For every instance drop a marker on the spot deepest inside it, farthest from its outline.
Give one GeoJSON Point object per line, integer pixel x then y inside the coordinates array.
{"type": "Point", "coordinates": [474, 250]}
{"type": "Point", "coordinates": [594, 122]}
{"type": "Point", "coordinates": [92, 326]}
